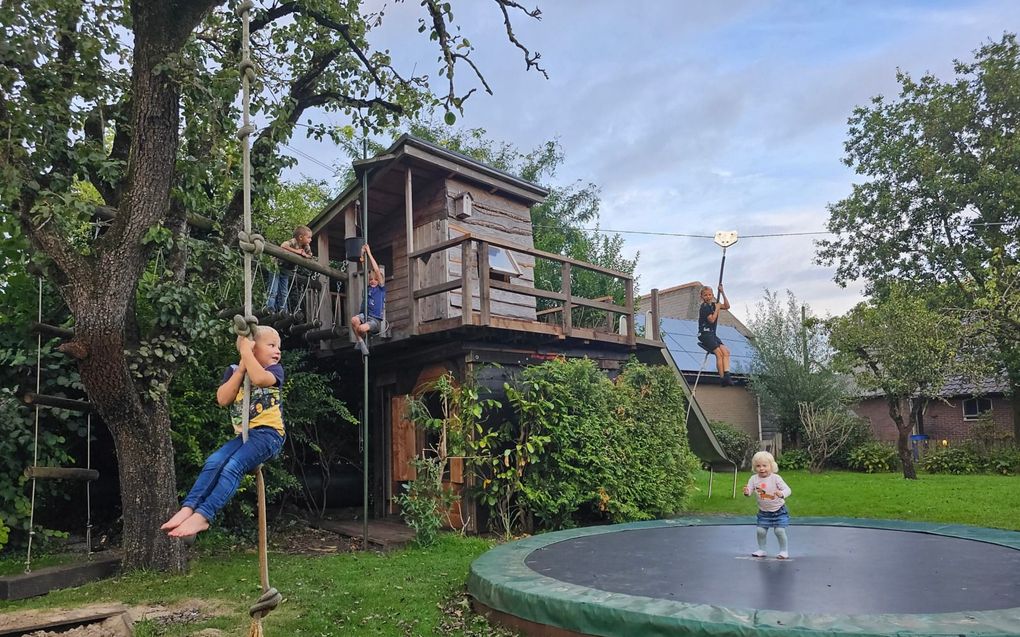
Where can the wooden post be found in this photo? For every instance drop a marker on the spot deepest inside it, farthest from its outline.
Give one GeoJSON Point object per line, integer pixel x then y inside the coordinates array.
{"type": "Point", "coordinates": [412, 279]}
{"type": "Point", "coordinates": [631, 335]}
{"type": "Point", "coordinates": [325, 316]}
{"type": "Point", "coordinates": [466, 302]}
{"type": "Point", "coordinates": [484, 290]}
{"type": "Point", "coordinates": [655, 316]}
{"type": "Point", "coordinates": [568, 319]}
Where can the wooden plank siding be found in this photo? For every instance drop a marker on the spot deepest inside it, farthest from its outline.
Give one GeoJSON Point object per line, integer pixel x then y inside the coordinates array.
{"type": "Point", "coordinates": [493, 218]}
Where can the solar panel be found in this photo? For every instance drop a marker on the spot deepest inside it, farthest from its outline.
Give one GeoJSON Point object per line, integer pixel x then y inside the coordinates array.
{"type": "Point", "coordinates": [681, 338]}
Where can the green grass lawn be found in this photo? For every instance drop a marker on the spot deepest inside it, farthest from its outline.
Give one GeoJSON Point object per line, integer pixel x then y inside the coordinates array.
{"type": "Point", "coordinates": [419, 592]}
{"type": "Point", "coordinates": [400, 593]}
{"type": "Point", "coordinates": [981, 500]}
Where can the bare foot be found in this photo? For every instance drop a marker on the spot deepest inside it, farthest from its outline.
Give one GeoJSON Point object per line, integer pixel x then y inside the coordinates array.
{"type": "Point", "coordinates": [193, 525]}
{"type": "Point", "coordinates": [180, 516]}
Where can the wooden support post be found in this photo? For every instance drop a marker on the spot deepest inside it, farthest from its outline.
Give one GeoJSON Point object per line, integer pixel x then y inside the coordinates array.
{"type": "Point", "coordinates": [466, 293]}
{"type": "Point", "coordinates": [631, 335]}
{"type": "Point", "coordinates": [655, 317]}
{"type": "Point", "coordinates": [568, 306]}
{"type": "Point", "coordinates": [484, 289]}
{"type": "Point", "coordinates": [412, 270]}
{"type": "Point", "coordinates": [325, 316]}
{"type": "Point", "coordinates": [45, 400]}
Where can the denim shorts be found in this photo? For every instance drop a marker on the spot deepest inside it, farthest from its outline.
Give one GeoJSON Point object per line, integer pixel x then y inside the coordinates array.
{"type": "Point", "coordinates": [774, 519]}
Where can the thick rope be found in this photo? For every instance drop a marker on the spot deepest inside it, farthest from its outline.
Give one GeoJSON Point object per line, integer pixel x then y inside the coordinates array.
{"type": "Point", "coordinates": [247, 325]}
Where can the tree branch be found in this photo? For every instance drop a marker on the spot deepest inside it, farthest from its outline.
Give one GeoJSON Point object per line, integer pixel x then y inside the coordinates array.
{"type": "Point", "coordinates": [531, 59]}
{"type": "Point", "coordinates": [345, 31]}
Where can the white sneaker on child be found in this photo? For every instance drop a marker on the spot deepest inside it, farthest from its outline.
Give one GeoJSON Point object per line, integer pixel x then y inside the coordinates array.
{"type": "Point", "coordinates": [758, 553]}
{"type": "Point", "coordinates": [783, 555]}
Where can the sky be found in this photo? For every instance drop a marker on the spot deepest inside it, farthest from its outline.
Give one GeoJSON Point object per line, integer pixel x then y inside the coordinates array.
{"type": "Point", "coordinates": [695, 117]}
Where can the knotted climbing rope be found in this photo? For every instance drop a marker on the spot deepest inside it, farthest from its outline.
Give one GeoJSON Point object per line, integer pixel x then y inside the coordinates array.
{"type": "Point", "coordinates": [247, 325]}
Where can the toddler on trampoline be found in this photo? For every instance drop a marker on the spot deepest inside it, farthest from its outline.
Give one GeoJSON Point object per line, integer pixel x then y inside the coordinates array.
{"type": "Point", "coordinates": [771, 492]}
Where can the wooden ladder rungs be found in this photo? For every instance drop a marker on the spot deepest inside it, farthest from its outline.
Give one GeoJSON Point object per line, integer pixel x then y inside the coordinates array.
{"type": "Point", "coordinates": [62, 473]}
{"type": "Point", "coordinates": [45, 400]}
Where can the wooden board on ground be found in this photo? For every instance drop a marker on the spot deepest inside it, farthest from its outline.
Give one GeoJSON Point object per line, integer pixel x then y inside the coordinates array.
{"type": "Point", "coordinates": [44, 580]}
{"type": "Point", "coordinates": [113, 617]}
{"type": "Point", "coordinates": [381, 533]}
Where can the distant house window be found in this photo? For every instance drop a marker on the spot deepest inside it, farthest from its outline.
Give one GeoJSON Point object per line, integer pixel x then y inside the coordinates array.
{"type": "Point", "coordinates": [502, 264]}
{"type": "Point", "coordinates": [974, 407]}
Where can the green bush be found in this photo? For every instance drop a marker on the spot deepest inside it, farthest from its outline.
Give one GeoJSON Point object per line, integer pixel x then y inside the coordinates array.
{"type": "Point", "coordinates": [423, 499]}
{"type": "Point", "coordinates": [597, 450]}
{"type": "Point", "coordinates": [1004, 461]}
{"type": "Point", "coordinates": [956, 460]}
{"type": "Point", "coordinates": [736, 444]}
{"type": "Point", "coordinates": [873, 457]}
{"type": "Point", "coordinates": [794, 460]}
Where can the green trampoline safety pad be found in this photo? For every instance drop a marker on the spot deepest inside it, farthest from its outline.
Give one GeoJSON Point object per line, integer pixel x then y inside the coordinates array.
{"type": "Point", "coordinates": [695, 576]}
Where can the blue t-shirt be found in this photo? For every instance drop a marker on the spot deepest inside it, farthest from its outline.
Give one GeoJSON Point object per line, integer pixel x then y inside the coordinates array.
{"type": "Point", "coordinates": [266, 406]}
{"type": "Point", "coordinates": [376, 301]}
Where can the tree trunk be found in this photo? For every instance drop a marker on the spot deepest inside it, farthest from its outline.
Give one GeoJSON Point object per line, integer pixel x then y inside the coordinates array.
{"type": "Point", "coordinates": [903, 429]}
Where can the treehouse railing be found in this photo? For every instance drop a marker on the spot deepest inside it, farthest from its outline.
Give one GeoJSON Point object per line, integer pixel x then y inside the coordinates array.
{"type": "Point", "coordinates": [475, 271]}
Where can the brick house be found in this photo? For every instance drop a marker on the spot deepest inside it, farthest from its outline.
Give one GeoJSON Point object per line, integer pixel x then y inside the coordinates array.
{"type": "Point", "coordinates": [950, 419]}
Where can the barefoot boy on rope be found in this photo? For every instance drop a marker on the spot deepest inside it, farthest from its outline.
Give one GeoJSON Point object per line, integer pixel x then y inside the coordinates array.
{"type": "Point", "coordinates": [224, 469]}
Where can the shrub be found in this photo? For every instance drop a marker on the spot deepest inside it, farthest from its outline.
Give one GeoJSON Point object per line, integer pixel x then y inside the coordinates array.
{"type": "Point", "coordinates": [1004, 461]}
{"type": "Point", "coordinates": [794, 460]}
{"type": "Point", "coordinates": [986, 437]}
{"type": "Point", "coordinates": [736, 444]}
{"type": "Point", "coordinates": [422, 500]}
{"type": "Point", "coordinates": [955, 460]}
{"type": "Point", "coordinates": [873, 457]}
{"type": "Point", "coordinates": [588, 449]}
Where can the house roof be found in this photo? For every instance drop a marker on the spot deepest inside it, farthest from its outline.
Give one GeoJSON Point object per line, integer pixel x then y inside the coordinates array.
{"type": "Point", "coordinates": [423, 155]}
{"type": "Point", "coordinates": [681, 339]}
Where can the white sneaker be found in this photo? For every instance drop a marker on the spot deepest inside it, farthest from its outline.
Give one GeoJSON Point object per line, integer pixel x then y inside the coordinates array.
{"type": "Point", "coordinates": [758, 553]}
{"type": "Point", "coordinates": [783, 555]}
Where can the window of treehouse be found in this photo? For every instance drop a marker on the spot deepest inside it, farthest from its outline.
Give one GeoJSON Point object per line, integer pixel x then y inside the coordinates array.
{"type": "Point", "coordinates": [502, 265]}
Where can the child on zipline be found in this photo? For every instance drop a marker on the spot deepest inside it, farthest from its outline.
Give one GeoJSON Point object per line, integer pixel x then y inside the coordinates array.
{"type": "Point", "coordinates": [370, 319]}
{"type": "Point", "coordinates": [708, 319]}
{"type": "Point", "coordinates": [224, 469]}
{"type": "Point", "coordinates": [279, 287]}
{"type": "Point", "coordinates": [771, 492]}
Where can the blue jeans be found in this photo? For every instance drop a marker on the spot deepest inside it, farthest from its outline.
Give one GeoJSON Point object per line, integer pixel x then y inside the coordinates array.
{"type": "Point", "coordinates": [279, 290]}
{"type": "Point", "coordinates": [774, 519]}
{"type": "Point", "coordinates": [224, 469]}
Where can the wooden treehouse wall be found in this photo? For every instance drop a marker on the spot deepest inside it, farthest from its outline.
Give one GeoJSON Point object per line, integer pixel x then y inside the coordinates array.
{"type": "Point", "coordinates": [493, 217]}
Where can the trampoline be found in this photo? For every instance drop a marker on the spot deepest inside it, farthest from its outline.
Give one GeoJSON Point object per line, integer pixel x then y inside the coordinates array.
{"type": "Point", "coordinates": [695, 576]}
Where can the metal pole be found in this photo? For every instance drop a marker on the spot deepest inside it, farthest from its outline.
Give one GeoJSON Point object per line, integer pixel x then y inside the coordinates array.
{"type": "Point", "coordinates": [722, 266]}
{"type": "Point", "coordinates": [364, 358]}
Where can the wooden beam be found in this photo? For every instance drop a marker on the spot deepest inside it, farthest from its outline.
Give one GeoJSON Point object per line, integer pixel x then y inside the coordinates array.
{"type": "Point", "coordinates": [412, 280]}
{"type": "Point", "coordinates": [442, 245]}
{"type": "Point", "coordinates": [631, 335]}
{"type": "Point", "coordinates": [467, 309]}
{"type": "Point", "coordinates": [655, 316]}
{"type": "Point", "coordinates": [436, 289]}
{"type": "Point", "coordinates": [568, 319]}
{"type": "Point", "coordinates": [45, 400]}
{"type": "Point", "coordinates": [61, 473]}
{"type": "Point", "coordinates": [309, 264]}
{"type": "Point", "coordinates": [520, 289]}
{"type": "Point", "coordinates": [44, 580]}
{"type": "Point", "coordinates": [484, 292]}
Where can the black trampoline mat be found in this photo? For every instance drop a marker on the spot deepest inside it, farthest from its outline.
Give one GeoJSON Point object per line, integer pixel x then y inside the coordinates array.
{"type": "Point", "coordinates": [834, 569]}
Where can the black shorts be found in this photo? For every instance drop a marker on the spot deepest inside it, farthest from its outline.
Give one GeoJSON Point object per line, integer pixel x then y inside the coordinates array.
{"type": "Point", "coordinates": [709, 341]}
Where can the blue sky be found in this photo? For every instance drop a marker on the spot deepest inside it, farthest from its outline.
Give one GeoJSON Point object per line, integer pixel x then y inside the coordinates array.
{"type": "Point", "coordinates": [694, 117]}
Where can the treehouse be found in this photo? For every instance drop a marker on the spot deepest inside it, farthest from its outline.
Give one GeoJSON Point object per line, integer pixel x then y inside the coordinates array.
{"type": "Point", "coordinates": [454, 239]}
